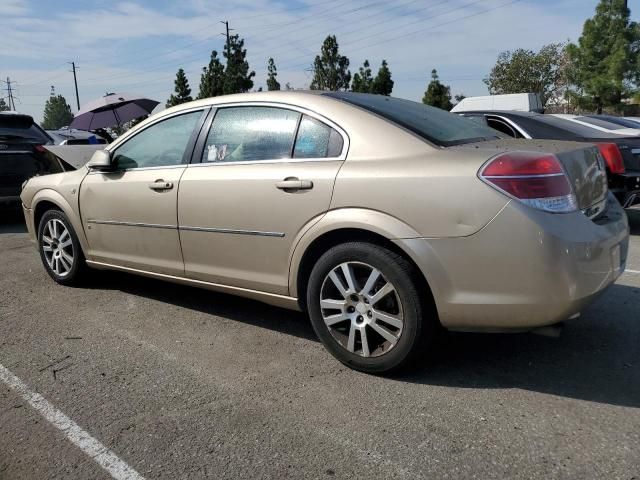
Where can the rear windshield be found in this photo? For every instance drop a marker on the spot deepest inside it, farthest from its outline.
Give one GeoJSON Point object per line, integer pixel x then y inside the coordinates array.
{"type": "Point", "coordinates": [435, 125]}
{"type": "Point", "coordinates": [576, 129]}
{"type": "Point", "coordinates": [21, 129]}
{"type": "Point", "coordinates": [617, 120]}
{"type": "Point", "coordinates": [598, 122]}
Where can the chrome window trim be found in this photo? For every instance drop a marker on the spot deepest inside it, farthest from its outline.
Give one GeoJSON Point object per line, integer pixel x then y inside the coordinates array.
{"type": "Point", "coordinates": [261, 162]}
{"type": "Point", "coordinates": [509, 122]}
{"type": "Point", "coordinates": [136, 169]}
{"type": "Point", "coordinates": [286, 106]}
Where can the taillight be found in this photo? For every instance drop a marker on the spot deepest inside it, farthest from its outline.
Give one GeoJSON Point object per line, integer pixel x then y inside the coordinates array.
{"type": "Point", "coordinates": [612, 156]}
{"type": "Point", "coordinates": [535, 179]}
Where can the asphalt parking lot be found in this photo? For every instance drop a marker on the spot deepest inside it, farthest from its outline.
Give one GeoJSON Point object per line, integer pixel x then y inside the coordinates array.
{"type": "Point", "coordinates": [185, 383]}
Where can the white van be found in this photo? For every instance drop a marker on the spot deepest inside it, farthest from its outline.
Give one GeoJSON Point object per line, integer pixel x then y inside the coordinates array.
{"type": "Point", "coordinates": [525, 102]}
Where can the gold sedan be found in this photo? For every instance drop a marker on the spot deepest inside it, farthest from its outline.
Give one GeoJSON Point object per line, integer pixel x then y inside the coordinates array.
{"type": "Point", "coordinates": [384, 219]}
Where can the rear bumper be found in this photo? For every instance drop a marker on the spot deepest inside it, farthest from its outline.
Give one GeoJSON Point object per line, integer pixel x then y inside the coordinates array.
{"type": "Point", "coordinates": [525, 269]}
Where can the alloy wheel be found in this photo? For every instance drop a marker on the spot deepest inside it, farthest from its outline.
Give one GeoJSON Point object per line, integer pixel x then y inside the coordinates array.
{"type": "Point", "coordinates": [57, 247]}
{"type": "Point", "coordinates": [361, 309]}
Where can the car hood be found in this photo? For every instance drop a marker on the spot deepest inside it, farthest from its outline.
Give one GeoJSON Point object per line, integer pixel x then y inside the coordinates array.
{"type": "Point", "coordinates": [74, 156]}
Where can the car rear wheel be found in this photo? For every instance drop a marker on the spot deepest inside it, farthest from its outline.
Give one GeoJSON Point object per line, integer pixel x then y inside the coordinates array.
{"type": "Point", "coordinates": [366, 308]}
{"type": "Point", "coordinates": [59, 248]}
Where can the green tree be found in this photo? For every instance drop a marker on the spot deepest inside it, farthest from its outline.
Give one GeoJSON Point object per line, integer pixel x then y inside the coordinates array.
{"type": "Point", "coordinates": [460, 97]}
{"type": "Point", "coordinates": [437, 94]}
{"type": "Point", "coordinates": [382, 84]}
{"type": "Point", "coordinates": [605, 64]}
{"type": "Point", "coordinates": [362, 81]}
{"type": "Point", "coordinates": [3, 105]}
{"type": "Point", "coordinates": [212, 78]}
{"type": "Point", "coordinates": [57, 113]}
{"type": "Point", "coordinates": [526, 71]}
{"type": "Point", "coordinates": [272, 73]}
{"type": "Point", "coordinates": [182, 90]}
{"type": "Point", "coordinates": [331, 70]}
{"type": "Point", "coordinates": [237, 77]}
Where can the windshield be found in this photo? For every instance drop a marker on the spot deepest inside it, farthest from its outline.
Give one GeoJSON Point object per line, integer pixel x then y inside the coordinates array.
{"type": "Point", "coordinates": [433, 124]}
{"type": "Point", "coordinates": [617, 120]}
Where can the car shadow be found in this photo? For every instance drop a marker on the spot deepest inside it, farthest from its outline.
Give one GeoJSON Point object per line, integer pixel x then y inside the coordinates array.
{"type": "Point", "coordinates": [206, 301]}
{"type": "Point", "coordinates": [12, 221]}
{"type": "Point", "coordinates": [597, 357]}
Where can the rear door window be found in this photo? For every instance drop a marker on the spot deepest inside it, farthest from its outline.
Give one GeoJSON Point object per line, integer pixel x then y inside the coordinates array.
{"type": "Point", "coordinates": [249, 134]}
{"type": "Point", "coordinates": [316, 140]}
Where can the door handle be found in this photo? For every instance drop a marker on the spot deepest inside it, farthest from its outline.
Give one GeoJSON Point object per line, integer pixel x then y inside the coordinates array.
{"type": "Point", "coordinates": [161, 185]}
{"type": "Point", "coordinates": [293, 183]}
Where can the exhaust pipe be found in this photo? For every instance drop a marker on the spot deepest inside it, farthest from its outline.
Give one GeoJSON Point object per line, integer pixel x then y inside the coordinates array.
{"type": "Point", "coordinates": [552, 331]}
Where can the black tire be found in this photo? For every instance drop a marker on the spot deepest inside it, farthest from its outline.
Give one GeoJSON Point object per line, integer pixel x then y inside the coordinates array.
{"type": "Point", "coordinates": [420, 317]}
{"type": "Point", "coordinates": [77, 272]}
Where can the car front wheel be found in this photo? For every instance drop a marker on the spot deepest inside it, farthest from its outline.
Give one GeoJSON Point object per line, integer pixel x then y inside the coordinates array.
{"type": "Point", "coordinates": [366, 307]}
{"type": "Point", "coordinates": [59, 248]}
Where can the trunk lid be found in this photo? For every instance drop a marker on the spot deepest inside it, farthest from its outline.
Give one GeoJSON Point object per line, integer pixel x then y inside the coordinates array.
{"type": "Point", "coordinates": [582, 163]}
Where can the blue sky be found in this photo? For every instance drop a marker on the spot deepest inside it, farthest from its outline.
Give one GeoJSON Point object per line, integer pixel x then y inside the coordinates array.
{"type": "Point", "coordinates": [137, 46]}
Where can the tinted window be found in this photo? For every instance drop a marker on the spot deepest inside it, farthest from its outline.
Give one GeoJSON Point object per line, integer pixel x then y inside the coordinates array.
{"type": "Point", "coordinates": [162, 144]}
{"type": "Point", "coordinates": [246, 134]}
{"type": "Point", "coordinates": [625, 122]}
{"type": "Point", "coordinates": [503, 127]}
{"type": "Point", "coordinates": [316, 140]}
{"type": "Point", "coordinates": [435, 125]}
{"type": "Point", "coordinates": [21, 129]}
{"type": "Point", "coordinates": [561, 129]}
{"type": "Point", "coordinates": [600, 123]}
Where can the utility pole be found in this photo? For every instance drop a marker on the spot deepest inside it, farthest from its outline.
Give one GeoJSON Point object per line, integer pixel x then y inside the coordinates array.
{"type": "Point", "coordinates": [12, 102]}
{"type": "Point", "coordinates": [75, 82]}
{"type": "Point", "coordinates": [228, 45]}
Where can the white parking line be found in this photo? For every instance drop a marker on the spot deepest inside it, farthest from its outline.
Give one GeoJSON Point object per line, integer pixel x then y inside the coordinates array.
{"type": "Point", "coordinates": [76, 435]}
{"type": "Point", "coordinates": [632, 271]}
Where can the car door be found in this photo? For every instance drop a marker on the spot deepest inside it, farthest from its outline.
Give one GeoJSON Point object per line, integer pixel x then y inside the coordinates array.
{"type": "Point", "coordinates": [130, 212]}
{"type": "Point", "coordinates": [265, 173]}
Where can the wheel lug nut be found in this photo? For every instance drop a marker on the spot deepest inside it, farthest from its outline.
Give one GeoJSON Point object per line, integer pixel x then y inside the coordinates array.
{"type": "Point", "coordinates": [369, 314]}
{"type": "Point", "coordinates": [351, 309]}
{"type": "Point", "coordinates": [360, 318]}
{"type": "Point", "coordinates": [355, 298]}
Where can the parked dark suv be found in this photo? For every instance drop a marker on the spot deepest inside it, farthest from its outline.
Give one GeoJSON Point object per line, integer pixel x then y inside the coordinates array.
{"type": "Point", "coordinates": [22, 155]}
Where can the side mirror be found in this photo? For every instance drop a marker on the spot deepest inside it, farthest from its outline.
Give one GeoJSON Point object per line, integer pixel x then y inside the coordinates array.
{"type": "Point", "coordinates": [100, 160]}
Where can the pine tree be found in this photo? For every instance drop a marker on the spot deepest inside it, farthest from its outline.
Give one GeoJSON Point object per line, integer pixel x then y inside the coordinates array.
{"type": "Point", "coordinates": [382, 84]}
{"type": "Point", "coordinates": [331, 70]}
{"type": "Point", "coordinates": [272, 82]}
{"type": "Point", "coordinates": [237, 77]}
{"type": "Point", "coordinates": [606, 61]}
{"type": "Point", "coordinates": [437, 94]}
{"type": "Point", "coordinates": [362, 81]}
{"type": "Point", "coordinates": [182, 90]}
{"type": "Point", "coordinates": [212, 78]}
{"type": "Point", "coordinates": [3, 105]}
{"type": "Point", "coordinates": [57, 113]}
